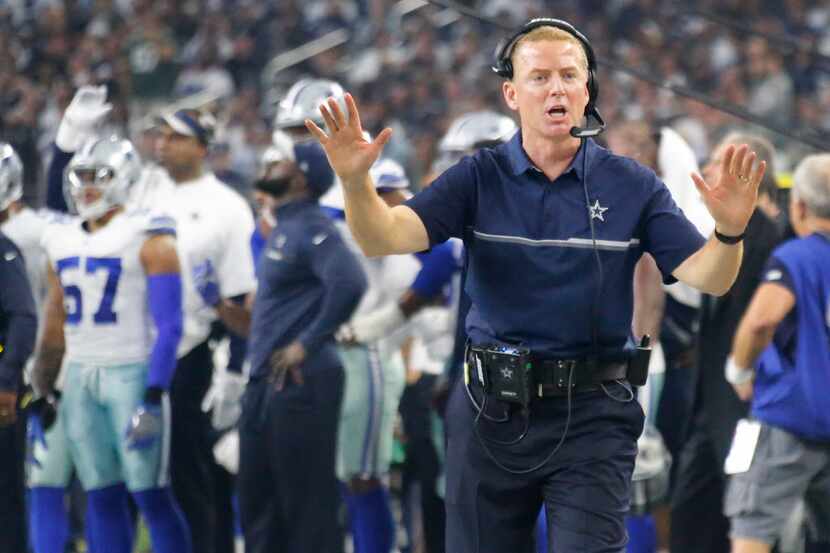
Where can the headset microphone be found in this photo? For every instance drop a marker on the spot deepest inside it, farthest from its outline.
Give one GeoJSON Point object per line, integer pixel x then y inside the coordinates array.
{"type": "Point", "coordinates": [595, 124]}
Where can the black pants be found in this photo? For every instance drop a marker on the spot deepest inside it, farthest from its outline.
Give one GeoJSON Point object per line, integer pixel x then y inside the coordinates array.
{"type": "Point", "coordinates": [288, 491]}
{"type": "Point", "coordinates": [422, 464]}
{"type": "Point", "coordinates": [676, 403]}
{"type": "Point", "coordinates": [698, 523]}
{"type": "Point", "coordinates": [585, 486]}
{"type": "Point", "coordinates": [191, 458]}
{"type": "Point", "coordinates": [12, 487]}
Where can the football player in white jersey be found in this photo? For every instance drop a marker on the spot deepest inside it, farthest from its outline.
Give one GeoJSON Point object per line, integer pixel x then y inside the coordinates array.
{"type": "Point", "coordinates": [214, 226]}
{"type": "Point", "coordinates": [114, 311]}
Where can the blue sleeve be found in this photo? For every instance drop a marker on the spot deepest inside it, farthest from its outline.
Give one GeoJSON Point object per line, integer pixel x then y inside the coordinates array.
{"type": "Point", "coordinates": [17, 311]}
{"type": "Point", "coordinates": [446, 207]}
{"type": "Point", "coordinates": [165, 298]}
{"type": "Point", "coordinates": [343, 279]}
{"type": "Point", "coordinates": [437, 267]}
{"type": "Point", "coordinates": [666, 233]}
{"type": "Point", "coordinates": [54, 192]}
{"type": "Point", "coordinates": [257, 244]}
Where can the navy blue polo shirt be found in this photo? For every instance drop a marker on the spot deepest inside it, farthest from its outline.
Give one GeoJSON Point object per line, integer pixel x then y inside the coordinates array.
{"type": "Point", "coordinates": [309, 284]}
{"type": "Point", "coordinates": [18, 319]}
{"type": "Point", "coordinates": [531, 274]}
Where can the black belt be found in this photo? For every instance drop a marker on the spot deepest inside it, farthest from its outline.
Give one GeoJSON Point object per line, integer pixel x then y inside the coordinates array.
{"type": "Point", "coordinates": [552, 375]}
{"type": "Point", "coordinates": [548, 377]}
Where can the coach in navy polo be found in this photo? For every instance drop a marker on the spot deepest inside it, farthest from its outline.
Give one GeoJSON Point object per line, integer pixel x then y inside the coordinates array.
{"type": "Point", "coordinates": [310, 283]}
{"type": "Point", "coordinates": [553, 225]}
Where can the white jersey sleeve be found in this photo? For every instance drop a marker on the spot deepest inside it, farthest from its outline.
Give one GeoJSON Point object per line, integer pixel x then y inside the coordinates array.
{"type": "Point", "coordinates": [26, 229]}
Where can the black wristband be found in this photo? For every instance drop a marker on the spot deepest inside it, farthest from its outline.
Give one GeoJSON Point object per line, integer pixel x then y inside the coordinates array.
{"type": "Point", "coordinates": [731, 240]}
{"type": "Point", "coordinates": [152, 395]}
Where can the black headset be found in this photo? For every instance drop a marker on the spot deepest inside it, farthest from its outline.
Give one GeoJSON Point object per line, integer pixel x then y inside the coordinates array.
{"type": "Point", "coordinates": [504, 68]}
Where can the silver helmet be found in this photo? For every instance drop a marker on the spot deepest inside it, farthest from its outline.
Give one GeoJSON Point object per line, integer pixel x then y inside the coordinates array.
{"type": "Point", "coordinates": [11, 176]}
{"type": "Point", "coordinates": [303, 100]}
{"type": "Point", "coordinates": [650, 481]}
{"type": "Point", "coordinates": [476, 129]}
{"type": "Point", "coordinates": [470, 132]}
{"type": "Point", "coordinates": [112, 165]}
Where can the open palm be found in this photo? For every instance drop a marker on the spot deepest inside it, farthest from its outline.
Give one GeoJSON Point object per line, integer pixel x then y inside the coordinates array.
{"type": "Point", "coordinates": [731, 200]}
{"type": "Point", "coordinates": [349, 152]}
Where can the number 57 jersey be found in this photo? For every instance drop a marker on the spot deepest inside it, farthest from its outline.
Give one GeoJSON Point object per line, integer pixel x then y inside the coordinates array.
{"type": "Point", "coordinates": [105, 286]}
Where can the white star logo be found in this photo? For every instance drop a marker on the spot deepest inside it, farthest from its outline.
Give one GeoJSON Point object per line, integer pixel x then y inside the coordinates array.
{"type": "Point", "coordinates": [507, 373]}
{"type": "Point", "coordinates": [597, 211]}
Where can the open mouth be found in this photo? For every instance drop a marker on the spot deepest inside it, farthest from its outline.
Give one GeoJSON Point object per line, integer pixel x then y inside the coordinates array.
{"type": "Point", "coordinates": [557, 112]}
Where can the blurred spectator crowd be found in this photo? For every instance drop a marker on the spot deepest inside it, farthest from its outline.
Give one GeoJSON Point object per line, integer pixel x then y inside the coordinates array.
{"type": "Point", "coordinates": [411, 65]}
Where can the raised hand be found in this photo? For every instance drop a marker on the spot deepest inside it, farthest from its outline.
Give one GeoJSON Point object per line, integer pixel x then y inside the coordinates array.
{"type": "Point", "coordinates": [84, 114]}
{"type": "Point", "coordinates": [731, 200]}
{"type": "Point", "coordinates": [350, 153]}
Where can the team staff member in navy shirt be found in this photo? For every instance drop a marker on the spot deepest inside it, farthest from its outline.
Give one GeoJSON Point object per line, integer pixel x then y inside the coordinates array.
{"type": "Point", "coordinates": [309, 284]}
{"type": "Point", "coordinates": [536, 214]}
{"type": "Point", "coordinates": [18, 326]}
{"type": "Point", "coordinates": [785, 336]}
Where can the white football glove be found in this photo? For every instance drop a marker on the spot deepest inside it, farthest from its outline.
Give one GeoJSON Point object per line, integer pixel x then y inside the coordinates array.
{"type": "Point", "coordinates": [222, 400]}
{"type": "Point", "coordinates": [372, 326]}
{"type": "Point", "coordinates": [86, 111]}
{"type": "Point", "coordinates": [226, 452]}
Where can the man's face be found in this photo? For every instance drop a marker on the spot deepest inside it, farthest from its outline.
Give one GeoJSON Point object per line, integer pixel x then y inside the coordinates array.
{"type": "Point", "coordinates": [549, 87]}
{"type": "Point", "coordinates": [177, 150]}
{"type": "Point", "coordinates": [88, 184]}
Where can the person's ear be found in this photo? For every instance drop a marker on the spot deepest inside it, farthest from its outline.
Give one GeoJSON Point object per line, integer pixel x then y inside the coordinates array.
{"type": "Point", "coordinates": [800, 209]}
{"type": "Point", "coordinates": [508, 90]}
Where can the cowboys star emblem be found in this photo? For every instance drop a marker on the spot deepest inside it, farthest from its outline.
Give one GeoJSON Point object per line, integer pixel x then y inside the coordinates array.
{"type": "Point", "coordinates": [507, 373]}
{"type": "Point", "coordinates": [597, 211]}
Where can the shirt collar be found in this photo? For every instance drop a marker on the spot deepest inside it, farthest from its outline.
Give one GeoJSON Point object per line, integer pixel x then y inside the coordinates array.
{"type": "Point", "coordinates": [521, 163]}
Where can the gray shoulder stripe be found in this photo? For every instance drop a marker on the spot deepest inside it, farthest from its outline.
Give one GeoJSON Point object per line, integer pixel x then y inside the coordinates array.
{"type": "Point", "coordinates": [585, 243]}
